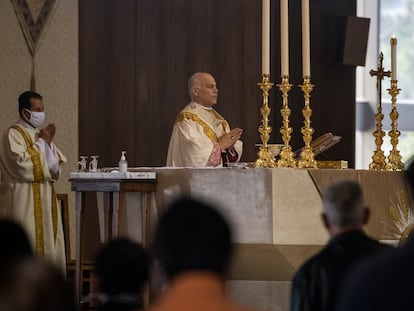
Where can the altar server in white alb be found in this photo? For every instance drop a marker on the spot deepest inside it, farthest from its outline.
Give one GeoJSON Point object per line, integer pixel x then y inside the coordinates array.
{"type": "Point", "coordinates": [201, 136]}
{"type": "Point", "coordinates": [30, 165]}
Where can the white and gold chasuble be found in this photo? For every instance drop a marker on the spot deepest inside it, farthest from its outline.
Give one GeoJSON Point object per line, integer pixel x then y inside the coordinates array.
{"type": "Point", "coordinates": [194, 136]}
{"type": "Point", "coordinates": [27, 193]}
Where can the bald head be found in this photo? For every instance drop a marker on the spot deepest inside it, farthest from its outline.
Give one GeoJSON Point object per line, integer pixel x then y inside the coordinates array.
{"type": "Point", "coordinates": [202, 89]}
{"type": "Point", "coordinates": [195, 81]}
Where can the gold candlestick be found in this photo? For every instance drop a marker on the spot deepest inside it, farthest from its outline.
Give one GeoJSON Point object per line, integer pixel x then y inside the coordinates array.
{"type": "Point", "coordinates": [266, 158]}
{"type": "Point", "coordinates": [394, 158]}
{"type": "Point", "coordinates": [378, 159]}
{"type": "Point", "coordinates": [287, 157]}
{"type": "Point", "coordinates": [306, 155]}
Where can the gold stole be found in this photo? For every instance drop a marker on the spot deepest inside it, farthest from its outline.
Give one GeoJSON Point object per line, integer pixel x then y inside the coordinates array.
{"type": "Point", "coordinates": [223, 121]}
{"type": "Point", "coordinates": [208, 131]}
{"type": "Point", "coordinates": [38, 177]}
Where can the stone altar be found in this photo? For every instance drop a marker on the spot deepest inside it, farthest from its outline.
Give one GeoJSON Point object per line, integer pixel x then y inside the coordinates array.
{"type": "Point", "coordinates": [275, 214]}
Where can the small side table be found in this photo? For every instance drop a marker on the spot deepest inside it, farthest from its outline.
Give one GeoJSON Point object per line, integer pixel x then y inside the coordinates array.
{"type": "Point", "coordinates": [109, 184]}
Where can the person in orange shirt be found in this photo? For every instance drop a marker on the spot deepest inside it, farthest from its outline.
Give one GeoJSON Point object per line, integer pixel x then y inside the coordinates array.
{"type": "Point", "coordinates": [193, 246]}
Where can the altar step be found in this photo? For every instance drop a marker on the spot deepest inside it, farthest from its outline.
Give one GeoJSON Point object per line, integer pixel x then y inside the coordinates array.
{"type": "Point", "coordinates": [261, 274]}
{"type": "Point", "coordinates": [266, 262]}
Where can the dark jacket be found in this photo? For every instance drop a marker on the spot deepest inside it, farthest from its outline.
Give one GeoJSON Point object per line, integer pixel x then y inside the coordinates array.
{"type": "Point", "coordinates": [317, 283]}
{"type": "Point", "coordinates": [381, 284]}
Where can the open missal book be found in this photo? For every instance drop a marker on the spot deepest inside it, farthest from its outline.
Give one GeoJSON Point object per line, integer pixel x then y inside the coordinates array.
{"type": "Point", "coordinates": [322, 143]}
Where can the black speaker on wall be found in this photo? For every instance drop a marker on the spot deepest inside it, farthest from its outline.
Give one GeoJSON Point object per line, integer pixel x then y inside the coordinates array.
{"type": "Point", "coordinates": [349, 40]}
{"type": "Point", "coordinates": [355, 41]}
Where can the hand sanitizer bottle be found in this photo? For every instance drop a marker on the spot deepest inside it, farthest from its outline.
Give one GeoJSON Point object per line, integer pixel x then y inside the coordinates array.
{"type": "Point", "coordinates": [123, 164]}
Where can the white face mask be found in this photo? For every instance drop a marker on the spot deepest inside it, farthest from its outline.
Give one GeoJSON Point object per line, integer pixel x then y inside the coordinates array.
{"type": "Point", "coordinates": [36, 118]}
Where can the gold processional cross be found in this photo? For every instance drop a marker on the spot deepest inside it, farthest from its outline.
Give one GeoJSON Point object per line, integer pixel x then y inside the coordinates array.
{"type": "Point", "coordinates": [378, 159]}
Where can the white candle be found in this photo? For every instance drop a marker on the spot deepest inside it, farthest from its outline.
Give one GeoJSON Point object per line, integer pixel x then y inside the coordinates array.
{"type": "Point", "coordinates": [284, 37]}
{"type": "Point", "coordinates": [393, 43]}
{"type": "Point", "coordinates": [265, 36]}
{"type": "Point", "coordinates": [305, 38]}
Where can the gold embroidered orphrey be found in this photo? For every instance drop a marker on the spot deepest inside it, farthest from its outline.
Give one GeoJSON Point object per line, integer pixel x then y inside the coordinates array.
{"type": "Point", "coordinates": [38, 177]}
{"type": "Point", "coordinates": [206, 128]}
{"type": "Point", "coordinates": [33, 16]}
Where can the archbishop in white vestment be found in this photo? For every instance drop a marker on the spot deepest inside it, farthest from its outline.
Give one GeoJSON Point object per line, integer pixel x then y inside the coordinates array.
{"type": "Point", "coordinates": [30, 164]}
{"type": "Point", "coordinates": [201, 136]}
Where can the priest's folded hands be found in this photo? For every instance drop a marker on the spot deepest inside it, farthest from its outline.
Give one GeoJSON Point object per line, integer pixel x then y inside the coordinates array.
{"type": "Point", "coordinates": [227, 140]}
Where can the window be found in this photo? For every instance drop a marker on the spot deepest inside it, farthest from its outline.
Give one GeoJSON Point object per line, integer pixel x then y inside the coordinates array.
{"type": "Point", "coordinates": [397, 17]}
{"type": "Point", "coordinates": [388, 17]}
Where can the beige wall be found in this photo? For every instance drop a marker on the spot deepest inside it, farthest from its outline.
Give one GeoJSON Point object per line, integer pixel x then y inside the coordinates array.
{"type": "Point", "coordinates": [56, 73]}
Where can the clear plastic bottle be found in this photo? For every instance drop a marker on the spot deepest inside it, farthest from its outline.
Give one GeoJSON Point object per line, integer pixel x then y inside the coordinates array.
{"type": "Point", "coordinates": [123, 164]}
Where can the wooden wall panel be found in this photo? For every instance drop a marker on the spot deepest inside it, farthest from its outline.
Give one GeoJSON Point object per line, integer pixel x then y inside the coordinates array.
{"type": "Point", "coordinates": [333, 98]}
{"type": "Point", "coordinates": [136, 57]}
{"type": "Point", "coordinates": [107, 39]}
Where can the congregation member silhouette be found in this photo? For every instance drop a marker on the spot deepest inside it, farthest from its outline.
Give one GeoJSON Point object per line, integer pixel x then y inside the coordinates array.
{"type": "Point", "coordinates": [121, 269]}
{"type": "Point", "coordinates": [14, 242]}
{"type": "Point", "coordinates": [193, 246]}
{"type": "Point", "coordinates": [38, 285]}
{"type": "Point", "coordinates": [16, 248]}
{"type": "Point", "coordinates": [30, 165]}
{"type": "Point", "coordinates": [383, 283]}
{"type": "Point", "coordinates": [317, 283]}
{"type": "Point", "coordinates": [28, 283]}
{"type": "Point", "coordinates": [201, 136]}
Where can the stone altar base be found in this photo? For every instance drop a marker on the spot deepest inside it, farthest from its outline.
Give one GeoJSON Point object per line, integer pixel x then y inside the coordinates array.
{"type": "Point", "coordinates": [260, 275]}
{"type": "Point", "coordinates": [275, 214]}
{"type": "Point", "coordinates": [261, 295]}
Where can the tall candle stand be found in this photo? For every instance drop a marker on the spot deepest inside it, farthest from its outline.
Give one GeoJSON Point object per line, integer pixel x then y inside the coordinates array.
{"type": "Point", "coordinates": [287, 156]}
{"type": "Point", "coordinates": [265, 156]}
{"type": "Point", "coordinates": [394, 158]}
{"type": "Point", "coordinates": [378, 159]}
{"type": "Point", "coordinates": [306, 155]}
